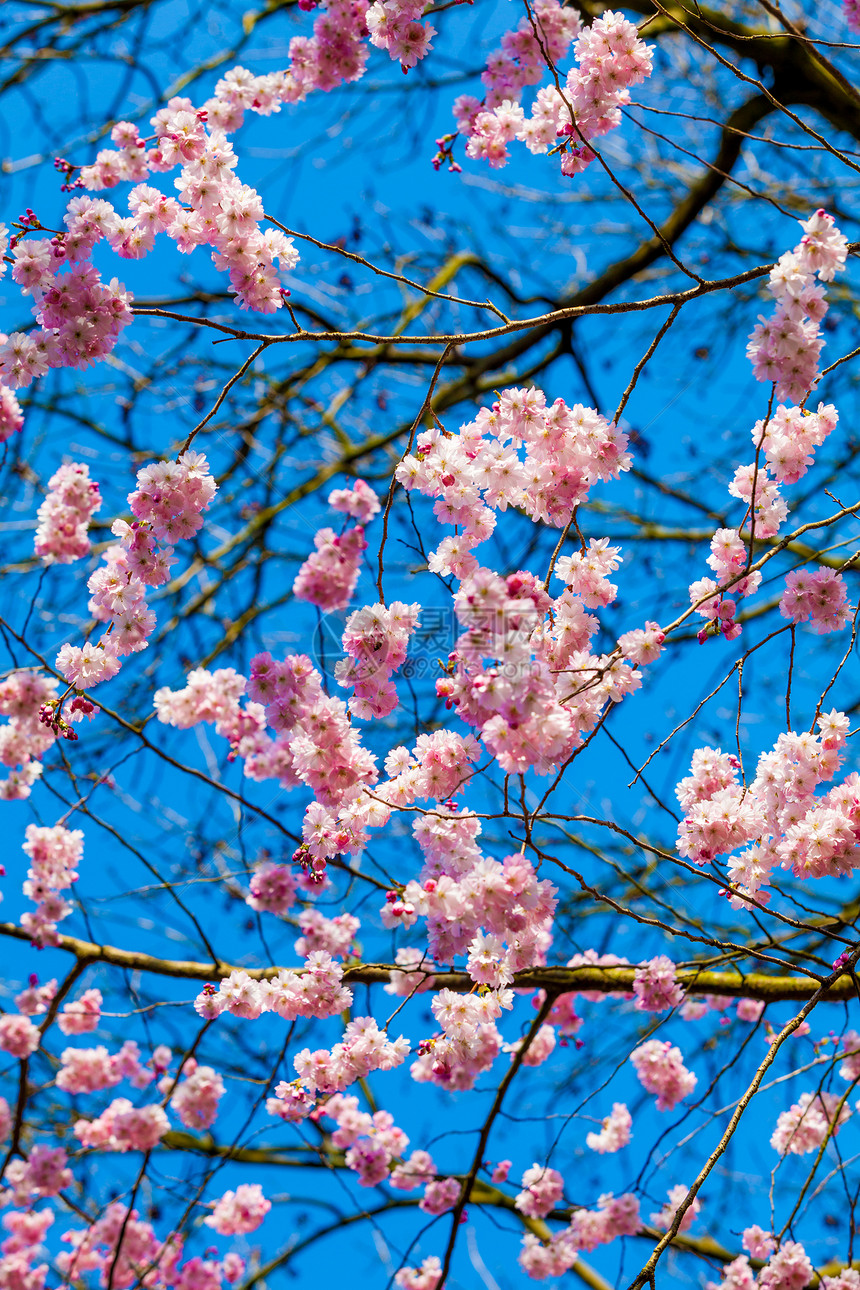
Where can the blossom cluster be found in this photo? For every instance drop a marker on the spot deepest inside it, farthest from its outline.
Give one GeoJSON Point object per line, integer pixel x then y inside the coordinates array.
{"type": "Point", "coordinates": [89, 1070]}
{"type": "Point", "coordinates": [665, 1217]}
{"type": "Point", "coordinates": [615, 1216]}
{"type": "Point", "coordinates": [788, 1268]}
{"type": "Point", "coordinates": [610, 59]}
{"type": "Point", "coordinates": [784, 349]}
{"type": "Point", "coordinates": [239, 1211]}
{"type": "Point", "coordinates": [363, 1049]}
{"type": "Point", "coordinates": [55, 854]}
{"type": "Point", "coordinates": [375, 640]}
{"type": "Point", "coordinates": [25, 737]}
{"type": "Point", "coordinates": [328, 577]}
{"type": "Point", "coordinates": [778, 817]}
{"type": "Point", "coordinates": [214, 209]}
{"type": "Point", "coordinates": [79, 316]}
{"type": "Point", "coordinates": [519, 453]}
{"type": "Point", "coordinates": [70, 502]}
{"type": "Point", "coordinates": [469, 1041]}
{"type": "Point", "coordinates": [614, 1133]}
{"type": "Point", "coordinates": [316, 991]}
{"type": "Point", "coordinates": [811, 1121]}
{"type": "Point", "coordinates": [167, 506]}
{"type": "Point", "coordinates": [314, 743]}
{"type": "Point", "coordinates": [374, 1145]}
{"type": "Point", "coordinates": [119, 1243]}
{"type": "Point", "coordinates": [661, 1070]}
{"type": "Point", "coordinates": [655, 986]}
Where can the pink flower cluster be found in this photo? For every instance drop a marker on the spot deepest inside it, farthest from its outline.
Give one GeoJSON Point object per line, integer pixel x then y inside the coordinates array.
{"type": "Point", "coordinates": [373, 1143]}
{"type": "Point", "coordinates": [759, 1243]}
{"type": "Point", "coordinates": [610, 58]}
{"type": "Point", "coordinates": [665, 1217]}
{"type": "Point", "coordinates": [334, 936]}
{"type": "Point", "coordinates": [851, 11]}
{"type": "Point", "coordinates": [83, 1015]}
{"type": "Point", "coordinates": [195, 1099]}
{"type": "Point", "coordinates": [661, 1070]}
{"type": "Point", "coordinates": [519, 453]}
{"type": "Point", "coordinates": [291, 1102]}
{"type": "Point", "coordinates": [789, 439]}
{"type": "Point", "coordinates": [239, 1211]}
{"type": "Point", "coordinates": [469, 1042]}
{"type": "Point", "coordinates": [427, 1277]}
{"type": "Point", "coordinates": [314, 744]}
{"type": "Point", "coordinates": [498, 913]}
{"type": "Point", "coordinates": [80, 317]}
{"type": "Point", "coordinates": [655, 986]}
{"type": "Point", "coordinates": [359, 502]}
{"type": "Point", "coordinates": [11, 416]}
{"type": "Point", "coordinates": [123, 1127]}
{"type": "Point", "coordinates": [728, 558]}
{"type": "Point", "coordinates": [394, 25]}
{"type": "Point", "coordinates": [21, 1248]}
{"type": "Point", "coordinates": [785, 347]}
{"type": "Point", "coordinates": [436, 768]}
{"type": "Point", "coordinates": [375, 639]}
{"type": "Point", "coordinates": [812, 1120]}
{"type": "Point", "coordinates": [316, 991]}
{"type": "Point", "coordinates": [819, 598]}
{"type": "Point", "coordinates": [522, 671]}
{"type": "Point", "coordinates": [18, 1036]}
{"type": "Point", "coordinates": [272, 888]}
{"type": "Point", "coordinates": [789, 1269]}
{"type": "Point", "coordinates": [216, 209]}
{"type": "Point", "coordinates": [335, 53]}
{"type": "Point", "coordinates": [118, 1240]}
{"type": "Point", "coordinates": [327, 578]}
{"type": "Point", "coordinates": [43, 1173]}
{"type": "Point", "coordinates": [539, 1050]}
{"type": "Point", "coordinates": [737, 1275]}
{"type": "Point", "coordinates": [24, 737]}
{"type": "Point", "coordinates": [614, 1133]}
{"type": "Point", "coordinates": [170, 498]}
{"type": "Point", "coordinates": [850, 1068]}
{"type": "Point", "coordinates": [542, 1191]}
{"type": "Point", "coordinates": [847, 1279]}
{"type": "Point", "coordinates": [363, 1049]}
{"type": "Point", "coordinates": [615, 1216]}
{"type": "Point", "coordinates": [87, 1070]}
{"type": "Point", "coordinates": [440, 1196]}
{"type": "Point", "coordinates": [36, 999]}
{"type": "Point", "coordinates": [71, 501]}
{"type": "Point", "coordinates": [167, 504]}
{"type": "Point", "coordinates": [119, 1244]}
{"type": "Point", "coordinates": [55, 854]}
{"type": "Point", "coordinates": [519, 62]}
{"type": "Point", "coordinates": [792, 827]}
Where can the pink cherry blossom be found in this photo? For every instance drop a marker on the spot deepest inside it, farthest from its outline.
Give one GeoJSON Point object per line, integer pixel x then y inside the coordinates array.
{"type": "Point", "coordinates": [239, 1211]}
